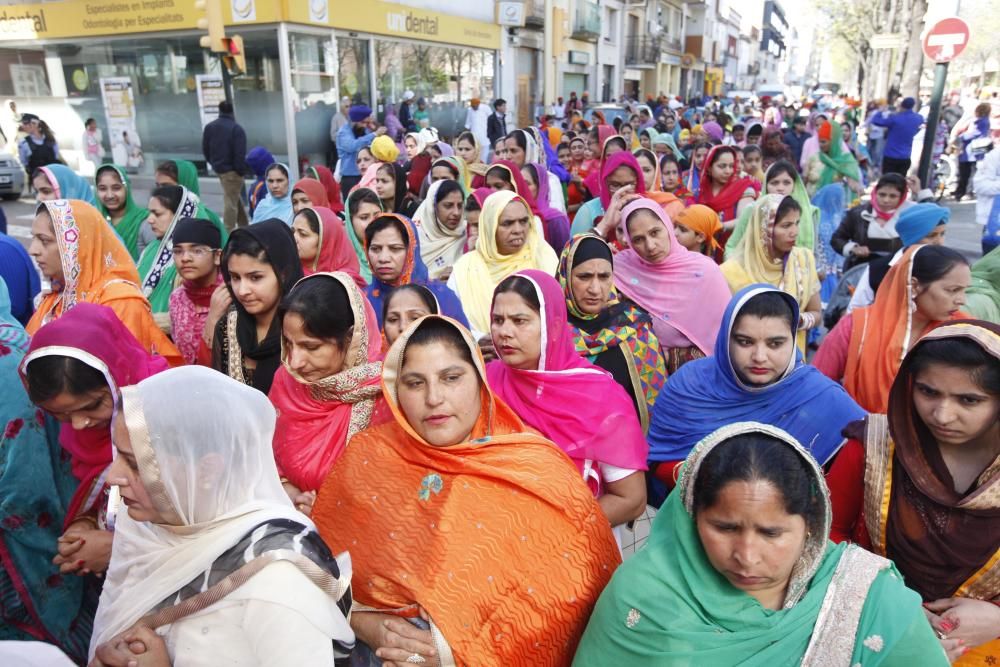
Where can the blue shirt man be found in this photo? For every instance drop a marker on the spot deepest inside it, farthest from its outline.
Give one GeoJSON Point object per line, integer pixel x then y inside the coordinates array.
{"type": "Point", "coordinates": [351, 139]}
{"type": "Point", "coordinates": [901, 127]}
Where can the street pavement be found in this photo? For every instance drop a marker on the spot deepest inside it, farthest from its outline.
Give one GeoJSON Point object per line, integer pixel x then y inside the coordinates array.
{"type": "Point", "coordinates": [963, 232]}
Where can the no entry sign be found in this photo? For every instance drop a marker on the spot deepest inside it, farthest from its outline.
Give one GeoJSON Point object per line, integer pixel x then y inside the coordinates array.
{"type": "Point", "coordinates": [946, 39]}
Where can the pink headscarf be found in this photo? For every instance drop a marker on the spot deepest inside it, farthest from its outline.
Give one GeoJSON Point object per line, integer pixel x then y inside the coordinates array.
{"type": "Point", "coordinates": [685, 291]}
{"type": "Point", "coordinates": [623, 159]}
{"type": "Point", "coordinates": [335, 250]}
{"type": "Point", "coordinates": [569, 400]}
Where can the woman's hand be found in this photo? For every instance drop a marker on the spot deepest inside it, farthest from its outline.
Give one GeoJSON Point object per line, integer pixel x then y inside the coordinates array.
{"type": "Point", "coordinates": [83, 551]}
{"type": "Point", "coordinates": [855, 186]}
{"type": "Point", "coordinates": [398, 639]}
{"type": "Point", "coordinates": [217, 307]}
{"type": "Point", "coordinates": [304, 502]}
{"type": "Point", "coordinates": [445, 274]}
{"type": "Point", "coordinates": [969, 622]}
{"type": "Point", "coordinates": [138, 646]}
{"type": "Point", "coordinates": [860, 251]}
{"type": "Point", "coordinates": [487, 349]}
{"type": "Point", "coordinates": [612, 217]}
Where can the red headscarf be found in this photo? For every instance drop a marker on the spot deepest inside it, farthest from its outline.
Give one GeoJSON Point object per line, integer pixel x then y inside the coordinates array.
{"type": "Point", "coordinates": [325, 176]}
{"type": "Point", "coordinates": [335, 250]}
{"type": "Point", "coordinates": [314, 190]}
{"type": "Point", "coordinates": [724, 203]}
{"type": "Point", "coordinates": [623, 159]}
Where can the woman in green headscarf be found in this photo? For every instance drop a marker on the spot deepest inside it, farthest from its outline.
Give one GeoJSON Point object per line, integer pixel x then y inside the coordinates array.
{"type": "Point", "coordinates": [114, 196]}
{"type": "Point", "coordinates": [983, 296]}
{"type": "Point", "coordinates": [782, 178]}
{"type": "Point", "coordinates": [833, 163]}
{"type": "Point", "coordinates": [739, 570]}
{"type": "Point", "coordinates": [185, 174]}
{"type": "Point", "coordinates": [363, 206]}
{"type": "Point", "coordinates": [168, 204]}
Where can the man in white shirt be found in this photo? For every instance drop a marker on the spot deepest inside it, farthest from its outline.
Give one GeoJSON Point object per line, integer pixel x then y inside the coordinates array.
{"type": "Point", "coordinates": [476, 119]}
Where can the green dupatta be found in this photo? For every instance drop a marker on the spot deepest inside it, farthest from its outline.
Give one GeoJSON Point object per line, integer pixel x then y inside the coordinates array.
{"type": "Point", "coordinates": [128, 227]}
{"type": "Point", "coordinates": [984, 293]}
{"type": "Point", "coordinates": [187, 176]}
{"type": "Point", "coordinates": [837, 161]}
{"type": "Point", "coordinates": [807, 223]}
{"type": "Point", "coordinates": [358, 244]}
{"type": "Point", "coordinates": [156, 266]}
{"type": "Point", "coordinates": [668, 605]}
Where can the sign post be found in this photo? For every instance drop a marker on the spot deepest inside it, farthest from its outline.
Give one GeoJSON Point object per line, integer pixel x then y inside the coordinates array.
{"type": "Point", "coordinates": [943, 43]}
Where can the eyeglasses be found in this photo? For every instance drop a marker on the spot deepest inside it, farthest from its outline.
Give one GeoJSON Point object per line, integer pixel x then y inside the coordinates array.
{"type": "Point", "coordinates": [197, 252]}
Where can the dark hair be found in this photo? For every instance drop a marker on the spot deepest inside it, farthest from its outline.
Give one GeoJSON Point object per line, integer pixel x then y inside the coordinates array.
{"type": "Point", "coordinates": [168, 168]}
{"type": "Point", "coordinates": [54, 374]}
{"type": "Point", "coordinates": [767, 304]}
{"type": "Point", "coordinates": [982, 367]}
{"type": "Point", "coordinates": [325, 309]}
{"type": "Point", "coordinates": [933, 262]}
{"type": "Point", "coordinates": [169, 195]}
{"type": "Point", "coordinates": [781, 167]}
{"type": "Point", "coordinates": [615, 137]}
{"type": "Point", "coordinates": [756, 129]}
{"type": "Point", "coordinates": [108, 169]}
{"type": "Point", "coordinates": [499, 102]}
{"type": "Point", "coordinates": [520, 137]}
{"type": "Point", "coordinates": [466, 136]}
{"type": "Point", "coordinates": [311, 219]}
{"type": "Point", "coordinates": [739, 126]}
{"type": "Point", "coordinates": [436, 330]}
{"type": "Point", "coordinates": [787, 204]}
{"type": "Point", "coordinates": [522, 287]}
{"type": "Point", "coordinates": [799, 120]}
{"type": "Point", "coordinates": [89, 121]}
{"type": "Point", "coordinates": [892, 181]}
{"type": "Point", "coordinates": [617, 124]}
{"type": "Point", "coordinates": [244, 244]}
{"type": "Point", "coordinates": [386, 167]}
{"type": "Point", "coordinates": [425, 295]}
{"type": "Point", "coordinates": [472, 204]}
{"type": "Point", "coordinates": [359, 197]}
{"type": "Point", "coordinates": [707, 145]}
{"type": "Point", "coordinates": [645, 153]}
{"type": "Point", "coordinates": [528, 172]}
{"type": "Point", "coordinates": [446, 188]}
{"type": "Point", "coordinates": [669, 157]}
{"type": "Point", "coordinates": [443, 162]}
{"type": "Point", "coordinates": [752, 457]}
{"type": "Point", "coordinates": [225, 107]}
{"type": "Point", "coordinates": [384, 222]}
{"type": "Point", "coordinates": [279, 167]}
{"type": "Point", "coordinates": [501, 172]}
{"type": "Point", "coordinates": [750, 149]}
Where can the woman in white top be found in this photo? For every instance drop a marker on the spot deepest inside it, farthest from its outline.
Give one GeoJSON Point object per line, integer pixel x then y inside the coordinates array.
{"type": "Point", "coordinates": [211, 564]}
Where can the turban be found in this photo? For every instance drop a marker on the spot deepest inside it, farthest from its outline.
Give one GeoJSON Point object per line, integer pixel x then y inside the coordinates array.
{"type": "Point", "coordinates": [825, 131]}
{"type": "Point", "coordinates": [384, 149]}
{"type": "Point", "coordinates": [918, 220]}
{"type": "Point", "coordinates": [359, 113]}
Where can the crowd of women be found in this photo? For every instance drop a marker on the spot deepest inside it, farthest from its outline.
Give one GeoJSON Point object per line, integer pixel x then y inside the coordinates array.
{"type": "Point", "coordinates": [416, 421]}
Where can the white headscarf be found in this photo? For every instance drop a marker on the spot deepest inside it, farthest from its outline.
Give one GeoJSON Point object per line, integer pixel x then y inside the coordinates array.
{"type": "Point", "coordinates": [203, 445]}
{"type": "Point", "coordinates": [440, 247]}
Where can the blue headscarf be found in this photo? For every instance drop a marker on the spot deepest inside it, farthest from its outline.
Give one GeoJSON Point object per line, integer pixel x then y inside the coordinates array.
{"type": "Point", "coordinates": [23, 284]}
{"type": "Point", "coordinates": [272, 207]}
{"type": "Point", "coordinates": [35, 485]}
{"type": "Point", "coordinates": [414, 272]}
{"type": "Point", "coordinates": [259, 159]}
{"type": "Point", "coordinates": [706, 394]}
{"type": "Point", "coordinates": [71, 185]}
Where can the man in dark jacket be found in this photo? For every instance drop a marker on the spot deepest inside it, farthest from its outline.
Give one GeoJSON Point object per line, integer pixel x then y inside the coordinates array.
{"type": "Point", "coordinates": [900, 127]}
{"type": "Point", "coordinates": [224, 145]}
{"type": "Point", "coordinates": [795, 138]}
{"type": "Point", "coordinates": [496, 125]}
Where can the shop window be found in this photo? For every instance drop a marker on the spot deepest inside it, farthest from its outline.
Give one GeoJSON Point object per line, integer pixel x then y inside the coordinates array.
{"type": "Point", "coordinates": [313, 62]}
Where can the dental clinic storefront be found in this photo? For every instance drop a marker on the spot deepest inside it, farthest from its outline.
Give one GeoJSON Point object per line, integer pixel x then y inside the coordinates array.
{"type": "Point", "coordinates": [138, 64]}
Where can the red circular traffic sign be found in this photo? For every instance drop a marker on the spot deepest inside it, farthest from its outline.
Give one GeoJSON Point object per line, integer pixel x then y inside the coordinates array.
{"type": "Point", "coordinates": [946, 39]}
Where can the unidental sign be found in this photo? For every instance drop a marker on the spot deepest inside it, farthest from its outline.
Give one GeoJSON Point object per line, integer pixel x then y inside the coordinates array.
{"type": "Point", "coordinates": [412, 24]}
{"type": "Point", "coordinates": [26, 23]}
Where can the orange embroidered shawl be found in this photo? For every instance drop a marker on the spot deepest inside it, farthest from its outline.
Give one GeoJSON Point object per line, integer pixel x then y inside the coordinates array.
{"type": "Point", "coordinates": [496, 538]}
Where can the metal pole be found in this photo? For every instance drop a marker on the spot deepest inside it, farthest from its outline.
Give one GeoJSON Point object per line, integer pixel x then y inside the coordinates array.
{"type": "Point", "coordinates": [940, 78]}
{"type": "Point", "coordinates": [227, 81]}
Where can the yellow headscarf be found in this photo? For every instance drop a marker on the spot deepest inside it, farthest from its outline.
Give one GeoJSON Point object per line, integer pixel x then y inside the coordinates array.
{"type": "Point", "coordinates": [384, 149]}
{"type": "Point", "coordinates": [751, 261]}
{"type": "Point", "coordinates": [477, 273]}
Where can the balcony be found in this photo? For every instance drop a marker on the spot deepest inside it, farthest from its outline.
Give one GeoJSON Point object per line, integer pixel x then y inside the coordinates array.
{"type": "Point", "coordinates": [587, 22]}
{"type": "Point", "coordinates": [534, 15]}
{"type": "Point", "coordinates": [672, 43]}
{"type": "Point", "coordinates": [642, 51]}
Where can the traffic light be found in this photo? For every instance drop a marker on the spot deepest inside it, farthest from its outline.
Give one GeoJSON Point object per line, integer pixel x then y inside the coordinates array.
{"type": "Point", "coordinates": [213, 23]}
{"type": "Point", "coordinates": [234, 59]}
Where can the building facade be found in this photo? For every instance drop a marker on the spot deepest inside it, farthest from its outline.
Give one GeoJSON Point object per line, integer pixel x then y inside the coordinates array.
{"type": "Point", "coordinates": [59, 59]}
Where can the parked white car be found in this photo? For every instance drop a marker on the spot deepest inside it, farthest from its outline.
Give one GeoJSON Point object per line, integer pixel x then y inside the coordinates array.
{"type": "Point", "coordinates": [11, 177]}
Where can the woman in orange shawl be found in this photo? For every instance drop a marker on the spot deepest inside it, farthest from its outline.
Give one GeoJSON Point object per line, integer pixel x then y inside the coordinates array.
{"type": "Point", "coordinates": [78, 251]}
{"type": "Point", "coordinates": [449, 521]}
{"type": "Point", "coordinates": [925, 287]}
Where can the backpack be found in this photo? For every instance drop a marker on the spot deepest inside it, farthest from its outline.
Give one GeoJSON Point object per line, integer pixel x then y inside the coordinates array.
{"type": "Point", "coordinates": [41, 154]}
